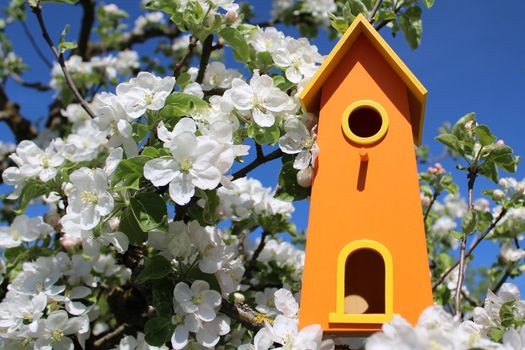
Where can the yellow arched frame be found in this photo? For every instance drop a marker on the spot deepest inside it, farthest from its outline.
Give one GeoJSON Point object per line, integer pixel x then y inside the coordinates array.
{"type": "Point", "coordinates": [340, 316]}
{"type": "Point", "coordinates": [365, 104]}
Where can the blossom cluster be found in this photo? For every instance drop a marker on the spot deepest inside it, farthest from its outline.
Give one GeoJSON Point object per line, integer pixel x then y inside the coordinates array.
{"type": "Point", "coordinates": [48, 301]}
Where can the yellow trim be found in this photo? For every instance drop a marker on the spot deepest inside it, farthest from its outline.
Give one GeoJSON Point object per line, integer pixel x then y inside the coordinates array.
{"type": "Point", "coordinates": [339, 316]}
{"type": "Point", "coordinates": [365, 140]}
{"type": "Point", "coordinates": [310, 96]}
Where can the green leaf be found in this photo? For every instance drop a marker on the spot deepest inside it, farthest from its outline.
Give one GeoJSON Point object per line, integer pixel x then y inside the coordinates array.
{"type": "Point", "coordinates": [485, 137]}
{"type": "Point", "coordinates": [289, 189]}
{"type": "Point", "coordinates": [264, 136]}
{"type": "Point", "coordinates": [131, 228]}
{"type": "Point", "coordinates": [489, 170]}
{"type": "Point", "coordinates": [263, 60]}
{"type": "Point", "coordinates": [456, 234]}
{"type": "Point", "coordinates": [357, 7]}
{"type": "Point", "coordinates": [64, 45]}
{"type": "Point", "coordinates": [180, 104]}
{"type": "Point", "coordinates": [411, 26]}
{"type": "Point", "coordinates": [282, 83]}
{"type": "Point", "coordinates": [149, 210]}
{"type": "Point", "coordinates": [155, 268]}
{"type": "Point", "coordinates": [469, 221]}
{"type": "Point", "coordinates": [237, 42]}
{"type": "Point", "coordinates": [450, 141]}
{"type": "Point", "coordinates": [158, 330]}
{"type": "Point", "coordinates": [338, 23]}
{"type": "Point", "coordinates": [32, 189]}
{"type": "Point", "coordinates": [13, 253]}
{"type": "Point", "coordinates": [428, 3]}
{"type": "Point", "coordinates": [128, 173]}
{"type": "Point", "coordinates": [139, 131]}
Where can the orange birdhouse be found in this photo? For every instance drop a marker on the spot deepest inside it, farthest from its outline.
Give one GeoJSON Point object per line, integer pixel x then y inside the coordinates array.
{"type": "Point", "coordinates": [366, 254]}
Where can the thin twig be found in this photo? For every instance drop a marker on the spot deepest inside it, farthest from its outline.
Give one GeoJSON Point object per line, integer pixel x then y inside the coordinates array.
{"type": "Point", "coordinates": [117, 332]}
{"type": "Point", "coordinates": [182, 62]}
{"type": "Point", "coordinates": [129, 39]}
{"type": "Point", "coordinates": [432, 201]}
{"type": "Point", "coordinates": [207, 47]}
{"type": "Point", "coordinates": [258, 161]}
{"type": "Point", "coordinates": [374, 11]}
{"type": "Point", "coordinates": [60, 57]}
{"type": "Point", "coordinates": [471, 249]}
{"type": "Point", "coordinates": [462, 263]}
{"type": "Point", "coordinates": [35, 45]}
{"type": "Point", "coordinates": [256, 253]}
{"type": "Point", "coordinates": [37, 85]}
{"type": "Point", "coordinates": [471, 300]}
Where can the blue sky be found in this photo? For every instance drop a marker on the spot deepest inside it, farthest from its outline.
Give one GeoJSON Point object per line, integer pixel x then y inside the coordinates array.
{"type": "Point", "coordinates": [471, 58]}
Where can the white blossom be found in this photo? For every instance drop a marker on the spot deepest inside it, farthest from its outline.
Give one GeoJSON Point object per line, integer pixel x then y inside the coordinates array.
{"type": "Point", "coordinates": [89, 197]}
{"type": "Point", "coordinates": [23, 229]}
{"type": "Point", "coordinates": [261, 98]}
{"type": "Point", "coordinates": [145, 92]}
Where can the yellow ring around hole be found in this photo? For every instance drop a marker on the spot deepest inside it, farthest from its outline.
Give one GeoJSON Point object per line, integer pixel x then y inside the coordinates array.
{"type": "Point", "coordinates": [365, 104]}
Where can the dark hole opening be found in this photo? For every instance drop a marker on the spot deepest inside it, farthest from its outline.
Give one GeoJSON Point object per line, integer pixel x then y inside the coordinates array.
{"type": "Point", "coordinates": [365, 283]}
{"type": "Point", "coordinates": [365, 122]}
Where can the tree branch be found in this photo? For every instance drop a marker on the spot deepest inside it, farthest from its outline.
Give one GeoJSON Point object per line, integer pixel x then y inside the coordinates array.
{"type": "Point", "coordinates": [130, 39]}
{"type": "Point", "coordinates": [182, 62]}
{"type": "Point", "coordinates": [243, 313]}
{"type": "Point", "coordinates": [472, 174]}
{"type": "Point", "coordinates": [60, 57]}
{"type": "Point", "coordinates": [374, 11]}
{"type": "Point", "coordinates": [256, 253]}
{"type": "Point", "coordinates": [474, 245]}
{"type": "Point", "coordinates": [88, 19]}
{"type": "Point", "coordinates": [37, 85]}
{"type": "Point", "coordinates": [258, 161]}
{"type": "Point", "coordinates": [111, 337]}
{"type": "Point", "coordinates": [207, 47]}
{"type": "Point", "coordinates": [10, 114]}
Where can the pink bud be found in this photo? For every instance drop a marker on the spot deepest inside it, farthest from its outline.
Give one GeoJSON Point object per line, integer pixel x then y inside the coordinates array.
{"type": "Point", "coordinates": [432, 170]}
{"type": "Point", "coordinates": [468, 125]}
{"type": "Point", "coordinates": [69, 241]}
{"type": "Point", "coordinates": [520, 188]}
{"type": "Point", "coordinates": [439, 168]}
{"type": "Point", "coordinates": [500, 142]}
{"type": "Point", "coordinates": [230, 17]}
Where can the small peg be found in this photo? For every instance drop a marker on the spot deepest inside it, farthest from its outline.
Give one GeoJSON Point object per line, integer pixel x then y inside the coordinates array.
{"type": "Point", "coordinates": [363, 154]}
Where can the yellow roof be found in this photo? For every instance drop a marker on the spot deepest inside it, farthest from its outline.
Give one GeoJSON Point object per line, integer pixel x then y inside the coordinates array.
{"type": "Point", "coordinates": [310, 96]}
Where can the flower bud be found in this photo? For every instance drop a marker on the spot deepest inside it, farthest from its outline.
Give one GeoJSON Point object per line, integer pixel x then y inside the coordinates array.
{"type": "Point", "coordinates": [520, 188]}
{"type": "Point", "coordinates": [425, 200]}
{"type": "Point", "coordinates": [498, 195]}
{"type": "Point", "coordinates": [500, 142]}
{"type": "Point", "coordinates": [230, 17]}
{"type": "Point", "coordinates": [504, 183]}
{"type": "Point", "coordinates": [304, 177]}
{"type": "Point", "coordinates": [238, 298]}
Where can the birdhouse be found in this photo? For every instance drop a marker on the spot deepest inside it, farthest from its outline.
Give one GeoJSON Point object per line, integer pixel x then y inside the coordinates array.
{"type": "Point", "coordinates": [366, 254]}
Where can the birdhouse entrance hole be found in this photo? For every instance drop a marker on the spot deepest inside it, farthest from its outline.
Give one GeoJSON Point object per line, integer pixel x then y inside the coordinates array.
{"type": "Point", "coordinates": [364, 284]}
{"type": "Point", "coordinates": [365, 122]}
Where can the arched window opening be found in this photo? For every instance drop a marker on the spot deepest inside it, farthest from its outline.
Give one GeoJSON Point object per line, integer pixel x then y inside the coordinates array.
{"type": "Point", "coordinates": [364, 283]}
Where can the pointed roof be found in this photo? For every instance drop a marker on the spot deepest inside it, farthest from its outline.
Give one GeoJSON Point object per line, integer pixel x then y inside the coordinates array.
{"type": "Point", "coordinates": [311, 95]}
